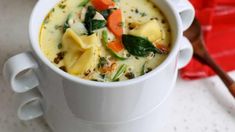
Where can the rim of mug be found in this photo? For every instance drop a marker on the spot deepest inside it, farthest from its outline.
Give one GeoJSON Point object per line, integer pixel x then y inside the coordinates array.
{"type": "Point", "coordinates": [174, 51]}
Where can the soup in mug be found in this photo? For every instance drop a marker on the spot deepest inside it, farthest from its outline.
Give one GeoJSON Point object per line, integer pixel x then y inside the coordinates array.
{"type": "Point", "coordinates": [106, 40]}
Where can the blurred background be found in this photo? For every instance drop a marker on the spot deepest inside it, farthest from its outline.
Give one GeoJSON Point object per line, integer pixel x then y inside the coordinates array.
{"type": "Point", "coordinates": [14, 39]}
{"type": "Point", "coordinates": [217, 18]}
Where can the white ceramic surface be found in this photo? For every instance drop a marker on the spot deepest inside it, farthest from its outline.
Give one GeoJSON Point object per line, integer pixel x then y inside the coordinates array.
{"type": "Point", "coordinates": [175, 128]}
{"type": "Point", "coordinates": [195, 106]}
{"type": "Point", "coordinates": [126, 106]}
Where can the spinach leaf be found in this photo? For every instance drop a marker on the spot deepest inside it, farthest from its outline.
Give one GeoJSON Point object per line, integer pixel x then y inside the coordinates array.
{"type": "Point", "coordinates": [90, 13]}
{"type": "Point", "coordinates": [120, 72]}
{"type": "Point", "coordinates": [92, 24]}
{"type": "Point", "coordinates": [83, 3]}
{"type": "Point", "coordinates": [105, 42]}
{"type": "Point", "coordinates": [106, 13]}
{"type": "Point", "coordinates": [97, 24]}
{"type": "Point", "coordinates": [66, 24]}
{"type": "Point", "coordinates": [88, 19]}
{"type": "Point", "coordinates": [138, 46]}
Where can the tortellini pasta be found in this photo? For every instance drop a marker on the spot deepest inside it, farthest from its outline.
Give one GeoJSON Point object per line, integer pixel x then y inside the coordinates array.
{"type": "Point", "coordinates": [82, 52]}
{"type": "Point", "coordinates": [150, 30]}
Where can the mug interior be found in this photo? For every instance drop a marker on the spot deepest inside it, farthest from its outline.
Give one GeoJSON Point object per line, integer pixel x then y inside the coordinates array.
{"type": "Point", "coordinates": [43, 7]}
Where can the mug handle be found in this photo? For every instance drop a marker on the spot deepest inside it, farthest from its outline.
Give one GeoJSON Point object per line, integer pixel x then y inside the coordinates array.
{"type": "Point", "coordinates": [29, 105]}
{"type": "Point", "coordinates": [186, 12]}
{"type": "Point", "coordinates": [185, 53]}
{"type": "Point", "coordinates": [18, 72]}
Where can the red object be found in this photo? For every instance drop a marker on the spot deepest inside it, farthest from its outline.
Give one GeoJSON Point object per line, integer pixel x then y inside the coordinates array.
{"type": "Point", "coordinates": [115, 23]}
{"type": "Point", "coordinates": [218, 21]}
{"type": "Point", "coordinates": [116, 46]}
{"type": "Point", "coordinates": [102, 4]}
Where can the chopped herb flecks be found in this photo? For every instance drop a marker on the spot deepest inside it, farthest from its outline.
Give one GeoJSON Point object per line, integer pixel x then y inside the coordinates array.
{"type": "Point", "coordinates": [103, 61]}
{"type": "Point", "coordinates": [66, 24]}
{"type": "Point", "coordinates": [47, 19]}
{"type": "Point", "coordinates": [143, 14]}
{"type": "Point", "coordinates": [63, 68]}
{"type": "Point", "coordinates": [60, 56]}
{"type": "Point", "coordinates": [130, 75]}
{"type": "Point", "coordinates": [58, 27]}
{"type": "Point", "coordinates": [60, 46]}
{"type": "Point", "coordinates": [116, 1]}
{"type": "Point", "coordinates": [121, 24]}
{"type": "Point", "coordinates": [137, 11]}
{"type": "Point", "coordinates": [61, 6]}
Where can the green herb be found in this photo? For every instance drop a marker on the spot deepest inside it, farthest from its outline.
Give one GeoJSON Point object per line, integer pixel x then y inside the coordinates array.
{"type": "Point", "coordinates": [138, 46]}
{"type": "Point", "coordinates": [63, 68]}
{"type": "Point", "coordinates": [60, 46]}
{"type": "Point", "coordinates": [121, 24]}
{"type": "Point", "coordinates": [128, 55]}
{"type": "Point", "coordinates": [102, 62]}
{"type": "Point", "coordinates": [130, 75]}
{"type": "Point", "coordinates": [47, 19]}
{"type": "Point", "coordinates": [117, 56]}
{"type": "Point", "coordinates": [105, 42]}
{"type": "Point", "coordinates": [92, 24]}
{"type": "Point", "coordinates": [97, 24]}
{"type": "Point", "coordinates": [105, 38]}
{"type": "Point", "coordinates": [143, 68]}
{"type": "Point", "coordinates": [62, 6]}
{"type": "Point", "coordinates": [88, 19]}
{"type": "Point", "coordinates": [95, 80]}
{"type": "Point", "coordinates": [83, 3]}
{"type": "Point", "coordinates": [120, 72]}
{"type": "Point", "coordinates": [143, 14]}
{"type": "Point", "coordinates": [58, 27]}
{"type": "Point", "coordinates": [116, 1]}
{"type": "Point", "coordinates": [106, 13]}
{"type": "Point", "coordinates": [60, 56]}
{"type": "Point", "coordinates": [90, 13]}
{"type": "Point", "coordinates": [102, 76]}
{"type": "Point", "coordinates": [149, 70]}
{"type": "Point", "coordinates": [66, 24]}
{"type": "Point", "coordinates": [136, 11]}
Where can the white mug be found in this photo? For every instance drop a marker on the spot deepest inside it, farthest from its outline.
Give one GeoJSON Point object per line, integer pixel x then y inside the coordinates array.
{"type": "Point", "coordinates": [71, 104]}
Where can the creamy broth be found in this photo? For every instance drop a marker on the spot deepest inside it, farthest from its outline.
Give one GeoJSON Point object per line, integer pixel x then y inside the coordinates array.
{"type": "Point", "coordinates": [66, 42]}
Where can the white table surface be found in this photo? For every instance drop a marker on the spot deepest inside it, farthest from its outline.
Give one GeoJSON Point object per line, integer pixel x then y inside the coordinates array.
{"type": "Point", "coordinates": [196, 106]}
